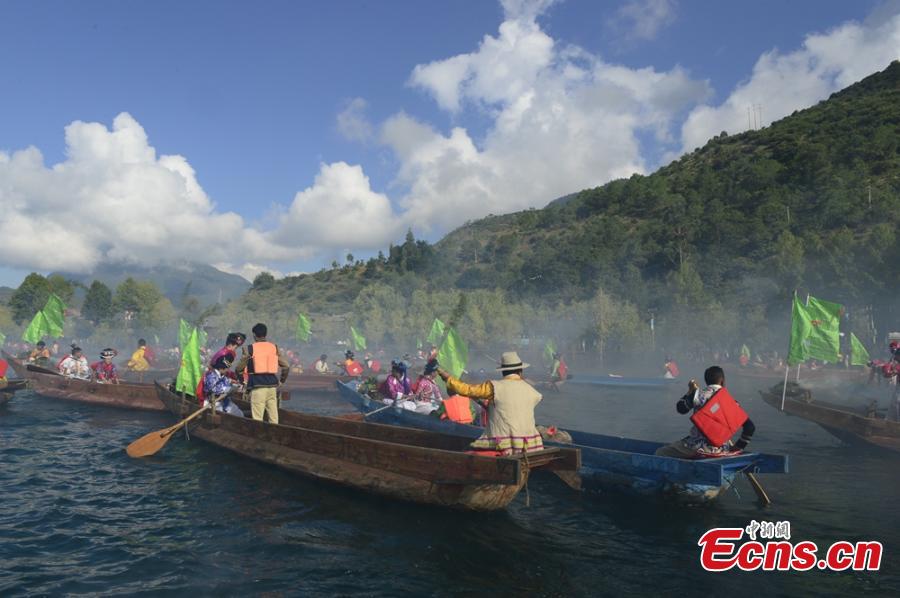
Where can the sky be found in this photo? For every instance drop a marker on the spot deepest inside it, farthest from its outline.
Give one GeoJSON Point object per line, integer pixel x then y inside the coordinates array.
{"type": "Point", "coordinates": [281, 135]}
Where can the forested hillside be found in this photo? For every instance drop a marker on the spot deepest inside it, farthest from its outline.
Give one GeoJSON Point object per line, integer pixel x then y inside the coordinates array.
{"type": "Point", "coordinates": [713, 244]}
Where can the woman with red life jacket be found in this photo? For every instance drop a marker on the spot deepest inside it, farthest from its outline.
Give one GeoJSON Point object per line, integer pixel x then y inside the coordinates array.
{"type": "Point", "coordinates": [716, 417]}
{"type": "Point", "coordinates": [672, 370]}
{"type": "Point", "coordinates": [105, 370]}
{"type": "Point", "coordinates": [350, 366]}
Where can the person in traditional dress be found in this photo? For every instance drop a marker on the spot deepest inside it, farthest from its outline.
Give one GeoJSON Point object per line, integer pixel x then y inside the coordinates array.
{"type": "Point", "coordinates": [396, 386]}
{"type": "Point", "coordinates": [695, 444]}
{"type": "Point", "coordinates": [321, 364]}
{"type": "Point", "coordinates": [105, 370]}
{"type": "Point", "coordinates": [138, 361]}
{"type": "Point", "coordinates": [40, 355]}
{"type": "Point", "coordinates": [217, 384]}
{"type": "Point", "coordinates": [229, 350]}
{"type": "Point", "coordinates": [75, 365]}
{"type": "Point", "coordinates": [510, 404]}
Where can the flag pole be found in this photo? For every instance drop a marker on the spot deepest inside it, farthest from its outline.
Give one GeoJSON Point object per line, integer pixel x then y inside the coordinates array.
{"type": "Point", "coordinates": [787, 368]}
{"type": "Point", "coordinates": [798, 373]}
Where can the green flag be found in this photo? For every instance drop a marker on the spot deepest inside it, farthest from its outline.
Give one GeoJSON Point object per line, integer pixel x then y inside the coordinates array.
{"type": "Point", "coordinates": [453, 354]}
{"type": "Point", "coordinates": [549, 351]}
{"type": "Point", "coordinates": [359, 341]}
{"type": "Point", "coordinates": [191, 369]}
{"type": "Point", "coordinates": [184, 333]}
{"type": "Point", "coordinates": [858, 353]}
{"type": "Point", "coordinates": [824, 340]}
{"type": "Point", "coordinates": [2, 339]}
{"type": "Point", "coordinates": [37, 329]}
{"type": "Point", "coordinates": [54, 311]}
{"type": "Point", "coordinates": [436, 333]}
{"type": "Point", "coordinates": [745, 351]}
{"type": "Point", "coordinates": [798, 351]}
{"type": "Point", "coordinates": [304, 328]}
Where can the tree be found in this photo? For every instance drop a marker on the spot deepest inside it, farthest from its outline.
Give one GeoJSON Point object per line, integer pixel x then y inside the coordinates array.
{"type": "Point", "coordinates": [137, 301]}
{"type": "Point", "coordinates": [61, 287]}
{"type": "Point", "coordinates": [29, 297]}
{"type": "Point", "coordinates": [349, 258]}
{"type": "Point", "coordinates": [263, 281]}
{"type": "Point", "coordinates": [98, 304]}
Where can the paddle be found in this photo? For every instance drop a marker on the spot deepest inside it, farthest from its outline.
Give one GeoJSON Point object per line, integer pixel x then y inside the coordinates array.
{"type": "Point", "coordinates": [151, 443]}
{"type": "Point", "coordinates": [757, 487]}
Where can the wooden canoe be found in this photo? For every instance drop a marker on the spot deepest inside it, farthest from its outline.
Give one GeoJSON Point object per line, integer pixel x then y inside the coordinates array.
{"type": "Point", "coordinates": [412, 465]}
{"type": "Point", "coordinates": [50, 384]}
{"type": "Point", "coordinates": [611, 463]}
{"type": "Point", "coordinates": [842, 422]}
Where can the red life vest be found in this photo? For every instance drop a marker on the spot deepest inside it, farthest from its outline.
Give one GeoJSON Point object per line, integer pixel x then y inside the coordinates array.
{"type": "Point", "coordinates": [719, 418]}
{"type": "Point", "coordinates": [673, 369]}
{"type": "Point", "coordinates": [375, 366]}
{"type": "Point", "coordinates": [457, 409]}
{"type": "Point", "coordinates": [3, 367]}
{"type": "Point", "coordinates": [198, 392]}
{"type": "Point", "coordinates": [563, 370]}
{"type": "Point", "coordinates": [354, 368]}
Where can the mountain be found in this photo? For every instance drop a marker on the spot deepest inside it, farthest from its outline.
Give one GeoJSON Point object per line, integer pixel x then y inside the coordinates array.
{"type": "Point", "coordinates": [207, 284]}
{"type": "Point", "coordinates": [811, 202]}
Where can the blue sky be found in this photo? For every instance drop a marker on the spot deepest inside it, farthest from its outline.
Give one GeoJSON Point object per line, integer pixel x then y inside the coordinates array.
{"type": "Point", "coordinates": [249, 94]}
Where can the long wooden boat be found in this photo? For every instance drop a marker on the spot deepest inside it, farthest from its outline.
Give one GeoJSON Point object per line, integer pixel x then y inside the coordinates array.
{"type": "Point", "coordinates": [621, 381]}
{"type": "Point", "coordinates": [857, 428]}
{"type": "Point", "coordinates": [609, 463]}
{"type": "Point", "coordinates": [51, 384]}
{"type": "Point", "coordinates": [414, 465]}
{"type": "Point", "coordinates": [11, 388]}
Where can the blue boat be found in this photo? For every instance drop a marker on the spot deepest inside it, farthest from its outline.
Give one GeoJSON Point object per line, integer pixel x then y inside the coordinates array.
{"type": "Point", "coordinates": [608, 463]}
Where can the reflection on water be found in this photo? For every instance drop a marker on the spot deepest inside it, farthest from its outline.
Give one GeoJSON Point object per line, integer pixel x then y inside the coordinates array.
{"type": "Point", "coordinates": [79, 516]}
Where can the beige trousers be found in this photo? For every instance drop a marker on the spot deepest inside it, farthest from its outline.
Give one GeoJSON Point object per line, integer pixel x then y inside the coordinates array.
{"type": "Point", "coordinates": [264, 400]}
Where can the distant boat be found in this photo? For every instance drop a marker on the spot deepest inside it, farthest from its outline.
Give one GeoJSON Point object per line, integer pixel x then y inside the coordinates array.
{"type": "Point", "coordinates": [609, 463]}
{"type": "Point", "coordinates": [621, 381]}
{"type": "Point", "coordinates": [51, 384]}
{"type": "Point", "coordinates": [851, 427]}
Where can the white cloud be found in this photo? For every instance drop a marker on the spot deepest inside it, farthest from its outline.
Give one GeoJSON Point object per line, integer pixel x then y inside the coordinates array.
{"type": "Point", "coordinates": [113, 199]}
{"type": "Point", "coordinates": [563, 120]}
{"type": "Point", "coordinates": [784, 82]}
{"type": "Point", "coordinates": [352, 122]}
{"type": "Point", "coordinates": [643, 19]}
{"type": "Point", "coordinates": [340, 210]}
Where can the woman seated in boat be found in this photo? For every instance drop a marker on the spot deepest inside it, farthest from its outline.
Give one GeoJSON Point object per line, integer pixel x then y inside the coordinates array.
{"type": "Point", "coordinates": [425, 393]}
{"type": "Point", "coordinates": [40, 355]}
{"type": "Point", "coordinates": [138, 361]}
{"type": "Point", "coordinates": [232, 342]}
{"type": "Point", "coordinates": [396, 386]}
{"type": "Point", "coordinates": [75, 365]}
{"type": "Point", "coordinates": [510, 404]}
{"type": "Point", "coordinates": [671, 368]}
{"type": "Point", "coordinates": [351, 367]}
{"type": "Point", "coordinates": [217, 384]}
{"type": "Point", "coordinates": [321, 365]}
{"type": "Point", "coordinates": [696, 444]}
{"type": "Point", "coordinates": [105, 370]}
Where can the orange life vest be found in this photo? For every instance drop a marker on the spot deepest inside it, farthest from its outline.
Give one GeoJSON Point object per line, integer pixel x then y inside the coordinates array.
{"type": "Point", "coordinates": [457, 409]}
{"type": "Point", "coordinates": [720, 417]}
{"type": "Point", "coordinates": [354, 368]}
{"type": "Point", "coordinates": [264, 356]}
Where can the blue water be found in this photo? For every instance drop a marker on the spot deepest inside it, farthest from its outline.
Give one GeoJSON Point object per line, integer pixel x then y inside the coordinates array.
{"type": "Point", "coordinates": [77, 516]}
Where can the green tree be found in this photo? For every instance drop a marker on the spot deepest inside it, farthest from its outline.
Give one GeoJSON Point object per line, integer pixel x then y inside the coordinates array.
{"type": "Point", "coordinates": [263, 281]}
{"type": "Point", "coordinates": [137, 301]}
{"type": "Point", "coordinates": [61, 287]}
{"type": "Point", "coordinates": [98, 303]}
{"type": "Point", "coordinates": [29, 297]}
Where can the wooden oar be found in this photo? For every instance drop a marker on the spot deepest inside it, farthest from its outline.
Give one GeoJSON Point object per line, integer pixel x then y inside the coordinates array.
{"type": "Point", "coordinates": [151, 443]}
{"type": "Point", "coordinates": [757, 487]}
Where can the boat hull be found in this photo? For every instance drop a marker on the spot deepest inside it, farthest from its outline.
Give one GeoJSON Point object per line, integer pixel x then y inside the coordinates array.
{"type": "Point", "coordinates": [124, 396]}
{"type": "Point", "coordinates": [610, 463]}
{"type": "Point", "coordinates": [852, 428]}
{"type": "Point", "coordinates": [422, 467]}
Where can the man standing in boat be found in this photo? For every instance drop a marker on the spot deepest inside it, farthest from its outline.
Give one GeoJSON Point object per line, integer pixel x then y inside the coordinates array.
{"type": "Point", "coordinates": [510, 405]}
{"type": "Point", "coordinates": [267, 370]}
{"type": "Point", "coordinates": [728, 413]}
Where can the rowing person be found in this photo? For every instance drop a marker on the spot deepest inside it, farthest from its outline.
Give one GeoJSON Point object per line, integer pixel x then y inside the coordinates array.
{"type": "Point", "coordinates": [216, 382]}
{"type": "Point", "coordinates": [105, 370]}
{"type": "Point", "coordinates": [726, 419]}
{"type": "Point", "coordinates": [510, 405]}
{"type": "Point", "coordinates": [138, 361]}
{"type": "Point", "coordinates": [40, 355]}
{"type": "Point", "coordinates": [75, 365]}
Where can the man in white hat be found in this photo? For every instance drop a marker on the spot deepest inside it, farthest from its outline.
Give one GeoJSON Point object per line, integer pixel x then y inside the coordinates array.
{"type": "Point", "coordinates": [510, 404]}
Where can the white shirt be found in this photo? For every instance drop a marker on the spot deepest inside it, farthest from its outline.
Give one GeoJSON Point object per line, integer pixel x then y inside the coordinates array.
{"type": "Point", "coordinates": [72, 367]}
